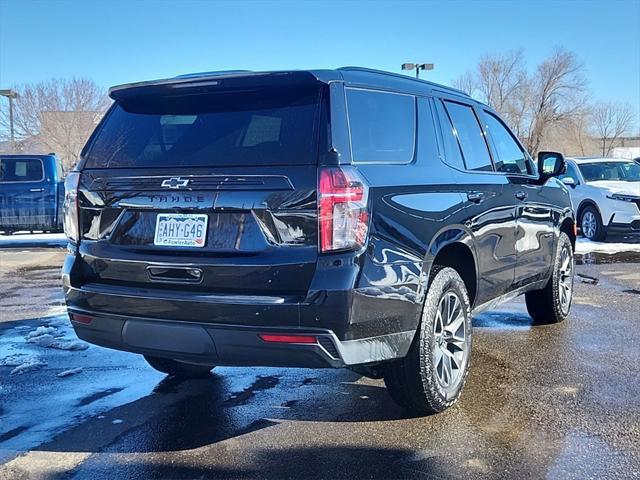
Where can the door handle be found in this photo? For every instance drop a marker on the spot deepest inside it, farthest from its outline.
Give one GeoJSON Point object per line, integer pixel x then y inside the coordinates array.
{"type": "Point", "coordinates": [521, 195]}
{"type": "Point", "coordinates": [36, 189]}
{"type": "Point", "coordinates": [475, 197]}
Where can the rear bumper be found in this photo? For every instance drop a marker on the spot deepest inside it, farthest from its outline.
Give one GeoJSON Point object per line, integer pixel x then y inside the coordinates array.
{"type": "Point", "coordinates": [353, 326]}
{"type": "Point", "coordinates": [235, 345]}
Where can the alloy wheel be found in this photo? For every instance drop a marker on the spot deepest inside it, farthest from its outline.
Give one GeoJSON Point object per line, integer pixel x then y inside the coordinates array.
{"type": "Point", "coordinates": [589, 224]}
{"type": "Point", "coordinates": [565, 278]}
{"type": "Point", "coordinates": [451, 346]}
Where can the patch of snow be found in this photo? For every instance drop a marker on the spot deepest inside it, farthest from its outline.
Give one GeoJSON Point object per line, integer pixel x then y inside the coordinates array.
{"type": "Point", "coordinates": [42, 336]}
{"type": "Point", "coordinates": [74, 345]}
{"type": "Point", "coordinates": [67, 373]}
{"type": "Point", "coordinates": [15, 360]}
{"type": "Point", "coordinates": [28, 366]}
{"type": "Point", "coordinates": [49, 341]}
{"type": "Point", "coordinates": [587, 246]}
{"type": "Point", "coordinates": [40, 331]}
{"type": "Point", "coordinates": [117, 421]}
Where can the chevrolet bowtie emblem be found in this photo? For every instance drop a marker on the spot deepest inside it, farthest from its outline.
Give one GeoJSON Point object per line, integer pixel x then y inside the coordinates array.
{"type": "Point", "coordinates": [175, 182]}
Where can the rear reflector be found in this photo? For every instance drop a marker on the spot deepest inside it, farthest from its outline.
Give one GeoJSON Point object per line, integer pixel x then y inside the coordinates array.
{"type": "Point", "coordinates": [307, 339]}
{"type": "Point", "coordinates": [81, 318]}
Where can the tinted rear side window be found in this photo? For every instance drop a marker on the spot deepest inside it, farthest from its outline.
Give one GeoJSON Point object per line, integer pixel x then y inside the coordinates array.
{"type": "Point", "coordinates": [467, 129]}
{"type": "Point", "coordinates": [256, 127]}
{"type": "Point", "coordinates": [452, 152]}
{"type": "Point", "coordinates": [383, 126]}
{"type": "Point", "coordinates": [21, 170]}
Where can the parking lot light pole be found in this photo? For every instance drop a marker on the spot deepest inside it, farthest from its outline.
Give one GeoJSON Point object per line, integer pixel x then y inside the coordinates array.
{"type": "Point", "coordinates": [417, 67]}
{"type": "Point", "coordinates": [10, 94]}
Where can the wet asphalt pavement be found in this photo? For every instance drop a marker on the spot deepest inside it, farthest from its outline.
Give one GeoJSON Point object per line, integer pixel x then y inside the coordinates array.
{"type": "Point", "coordinates": [554, 401]}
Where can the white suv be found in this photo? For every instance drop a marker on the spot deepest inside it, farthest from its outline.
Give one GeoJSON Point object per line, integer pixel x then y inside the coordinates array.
{"type": "Point", "coordinates": [606, 195]}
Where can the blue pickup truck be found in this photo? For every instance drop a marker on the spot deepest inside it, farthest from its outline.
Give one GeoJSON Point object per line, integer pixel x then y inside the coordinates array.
{"type": "Point", "coordinates": [31, 193]}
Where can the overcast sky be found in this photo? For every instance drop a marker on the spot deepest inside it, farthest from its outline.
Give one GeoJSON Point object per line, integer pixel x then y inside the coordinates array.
{"type": "Point", "coordinates": [123, 41]}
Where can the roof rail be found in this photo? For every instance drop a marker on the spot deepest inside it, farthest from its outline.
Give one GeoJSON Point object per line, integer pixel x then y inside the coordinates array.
{"type": "Point", "coordinates": [405, 77]}
{"type": "Point", "coordinates": [212, 73]}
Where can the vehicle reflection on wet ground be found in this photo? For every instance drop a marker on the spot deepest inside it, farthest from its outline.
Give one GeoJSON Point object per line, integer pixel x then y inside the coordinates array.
{"type": "Point", "coordinates": [555, 401]}
{"type": "Point", "coordinates": [598, 258]}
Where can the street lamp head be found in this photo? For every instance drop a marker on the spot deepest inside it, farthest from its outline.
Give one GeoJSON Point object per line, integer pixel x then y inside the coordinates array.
{"type": "Point", "coordinates": [408, 66]}
{"type": "Point", "coordinates": [9, 93]}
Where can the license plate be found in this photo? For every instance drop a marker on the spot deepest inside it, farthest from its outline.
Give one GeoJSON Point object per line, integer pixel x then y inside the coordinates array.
{"type": "Point", "coordinates": [180, 230]}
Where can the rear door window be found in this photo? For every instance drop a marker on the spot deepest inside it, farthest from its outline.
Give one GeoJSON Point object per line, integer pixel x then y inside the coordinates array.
{"type": "Point", "coordinates": [21, 170]}
{"type": "Point", "coordinates": [470, 136]}
{"type": "Point", "coordinates": [382, 125]}
{"type": "Point", "coordinates": [255, 127]}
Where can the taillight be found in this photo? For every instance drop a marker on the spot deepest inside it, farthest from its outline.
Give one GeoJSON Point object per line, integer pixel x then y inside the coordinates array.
{"type": "Point", "coordinates": [342, 209]}
{"type": "Point", "coordinates": [71, 228]}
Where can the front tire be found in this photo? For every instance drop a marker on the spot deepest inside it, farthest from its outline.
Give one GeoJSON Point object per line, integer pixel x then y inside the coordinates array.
{"type": "Point", "coordinates": [552, 304]}
{"type": "Point", "coordinates": [178, 369]}
{"type": "Point", "coordinates": [591, 224]}
{"type": "Point", "coordinates": [430, 378]}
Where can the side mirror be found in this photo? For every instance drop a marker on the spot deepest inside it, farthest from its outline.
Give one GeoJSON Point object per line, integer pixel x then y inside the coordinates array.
{"type": "Point", "coordinates": [569, 182]}
{"type": "Point", "coordinates": [551, 164]}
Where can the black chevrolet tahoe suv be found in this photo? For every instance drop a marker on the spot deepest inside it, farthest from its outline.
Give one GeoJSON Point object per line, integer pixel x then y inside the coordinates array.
{"type": "Point", "coordinates": [327, 218]}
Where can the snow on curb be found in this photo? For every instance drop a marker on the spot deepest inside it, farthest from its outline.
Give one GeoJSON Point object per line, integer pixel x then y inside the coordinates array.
{"type": "Point", "coordinates": [586, 246]}
{"type": "Point", "coordinates": [31, 237]}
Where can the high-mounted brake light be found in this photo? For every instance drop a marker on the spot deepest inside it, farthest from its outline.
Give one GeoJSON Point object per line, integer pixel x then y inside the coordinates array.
{"type": "Point", "coordinates": [342, 209]}
{"type": "Point", "coordinates": [70, 218]}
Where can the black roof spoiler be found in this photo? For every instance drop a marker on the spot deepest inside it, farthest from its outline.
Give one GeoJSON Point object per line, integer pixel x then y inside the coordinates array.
{"type": "Point", "coordinates": [215, 78]}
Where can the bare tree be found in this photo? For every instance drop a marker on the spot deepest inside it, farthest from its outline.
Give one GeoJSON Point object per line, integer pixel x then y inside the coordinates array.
{"type": "Point", "coordinates": [557, 95]}
{"type": "Point", "coordinates": [610, 121]}
{"type": "Point", "coordinates": [501, 81]}
{"type": "Point", "coordinates": [56, 116]}
{"type": "Point", "coordinates": [532, 104]}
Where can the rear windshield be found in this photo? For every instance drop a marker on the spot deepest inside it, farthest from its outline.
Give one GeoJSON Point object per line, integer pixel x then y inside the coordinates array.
{"type": "Point", "coordinates": [256, 127]}
{"type": "Point", "coordinates": [21, 170]}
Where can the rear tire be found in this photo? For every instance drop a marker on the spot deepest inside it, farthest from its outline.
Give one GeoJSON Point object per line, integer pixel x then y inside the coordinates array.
{"type": "Point", "coordinates": [591, 224]}
{"type": "Point", "coordinates": [552, 304]}
{"type": "Point", "coordinates": [430, 378]}
{"type": "Point", "coordinates": [178, 369]}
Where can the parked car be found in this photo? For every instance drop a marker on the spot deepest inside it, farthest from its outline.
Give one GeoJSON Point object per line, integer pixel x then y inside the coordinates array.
{"type": "Point", "coordinates": [605, 194]}
{"type": "Point", "coordinates": [331, 218]}
{"type": "Point", "coordinates": [31, 193]}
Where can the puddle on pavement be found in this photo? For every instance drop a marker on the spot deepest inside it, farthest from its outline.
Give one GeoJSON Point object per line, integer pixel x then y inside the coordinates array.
{"type": "Point", "coordinates": [502, 320]}
{"type": "Point", "coordinates": [598, 258]}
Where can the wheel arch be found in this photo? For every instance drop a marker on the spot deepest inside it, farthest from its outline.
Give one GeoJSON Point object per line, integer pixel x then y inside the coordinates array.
{"type": "Point", "coordinates": [569, 226]}
{"type": "Point", "coordinates": [453, 247]}
{"type": "Point", "coordinates": [584, 204]}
